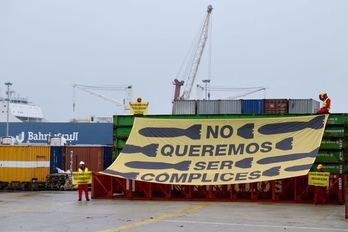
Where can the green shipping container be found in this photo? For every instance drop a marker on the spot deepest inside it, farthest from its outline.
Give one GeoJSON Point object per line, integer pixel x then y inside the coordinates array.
{"type": "Point", "coordinates": [123, 120]}
{"type": "Point", "coordinates": [327, 156]}
{"type": "Point", "coordinates": [332, 168]}
{"type": "Point", "coordinates": [123, 124]}
{"type": "Point", "coordinates": [334, 132]}
{"type": "Point", "coordinates": [115, 154]}
{"type": "Point", "coordinates": [337, 144]}
{"type": "Point", "coordinates": [337, 119]}
{"type": "Point", "coordinates": [119, 143]}
{"type": "Point", "coordinates": [122, 132]}
{"type": "Point", "coordinates": [127, 120]}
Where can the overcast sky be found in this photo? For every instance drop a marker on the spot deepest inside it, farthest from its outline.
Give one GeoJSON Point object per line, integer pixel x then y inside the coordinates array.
{"type": "Point", "coordinates": [296, 48]}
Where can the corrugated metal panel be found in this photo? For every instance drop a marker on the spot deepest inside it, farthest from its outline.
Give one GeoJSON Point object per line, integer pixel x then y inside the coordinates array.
{"type": "Point", "coordinates": [24, 163]}
{"type": "Point", "coordinates": [119, 143]}
{"type": "Point", "coordinates": [123, 120]}
{"type": "Point", "coordinates": [333, 144]}
{"type": "Point", "coordinates": [208, 107]}
{"type": "Point", "coordinates": [337, 119]}
{"type": "Point", "coordinates": [122, 132]}
{"type": "Point", "coordinates": [276, 106]}
{"type": "Point", "coordinates": [303, 106]}
{"type": "Point", "coordinates": [92, 156]}
{"type": "Point", "coordinates": [56, 159]}
{"type": "Point", "coordinates": [253, 106]}
{"type": "Point", "coordinates": [107, 157]}
{"type": "Point", "coordinates": [184, 107]}
{"type": "Point", "coordinates": [332, 168]}
{"type": "Point", "coordinates": [335, 132]}
{"type": "Point", "coordinates": [327, 156]}
{"type": "Point", "coordinates": [230, 107]}
{"type": "Point", "coordinates": [74, 133]}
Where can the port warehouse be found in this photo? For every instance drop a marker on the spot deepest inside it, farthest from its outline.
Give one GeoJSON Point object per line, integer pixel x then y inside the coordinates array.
{"type": "Point", "coordinates": [333, 154]}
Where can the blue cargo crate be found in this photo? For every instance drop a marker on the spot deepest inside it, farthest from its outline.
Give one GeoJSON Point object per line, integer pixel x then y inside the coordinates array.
{"type": "Point", "coordinates": [253, 106]}
{"type": "Point", "coordinates": [56, 159]}
{"type": "Point", "coordinates": [107, 156]}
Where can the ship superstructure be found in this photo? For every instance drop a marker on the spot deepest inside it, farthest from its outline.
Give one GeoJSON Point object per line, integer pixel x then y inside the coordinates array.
{"type": "Point", "coordinates": [20, 110]}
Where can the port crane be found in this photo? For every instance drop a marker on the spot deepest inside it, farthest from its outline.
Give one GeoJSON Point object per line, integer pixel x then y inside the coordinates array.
{"type": "Point", "coordinates": [95, 91]}
{"type": "Point", "coordinates": [193, 69]}
{"type": "Point", "coordinates": [188, 84]}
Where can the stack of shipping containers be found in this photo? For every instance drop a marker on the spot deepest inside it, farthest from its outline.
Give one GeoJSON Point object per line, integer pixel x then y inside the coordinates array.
{"type": "Point", "coordinates": [333, 150]}
{"type": "Point", "coordinates": [96, 157]}
{"type": "Point", "coordinates": [33, 159]}
{"type": "Point", "coordinates": [23, 165]}
{"type": "Point", "coordinates": [46, 159]}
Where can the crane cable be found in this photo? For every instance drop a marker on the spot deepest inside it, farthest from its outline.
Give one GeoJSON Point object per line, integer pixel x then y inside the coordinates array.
{"type": "Point", "coordinates": [89, 88]}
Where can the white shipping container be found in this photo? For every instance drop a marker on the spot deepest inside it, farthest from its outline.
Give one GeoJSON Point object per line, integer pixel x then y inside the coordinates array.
{"type": "Point", "coordinates": [184, 107]}
{"type": "Point", "coordinates": [207, 107]}
{"type": "Point", "coordinates": [230, 106]}
{"type": "Point", "coordinates": [303, 106]}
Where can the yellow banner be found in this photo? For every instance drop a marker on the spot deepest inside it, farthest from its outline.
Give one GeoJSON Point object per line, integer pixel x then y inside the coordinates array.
{"type": "Point", "coordinates": [319, 179]}
{"type": "Point", "coordinates": [82, 177]}
{"type": "Point", "coordinates": [139, 107]}
{"type": "Point", "coordinates": [219, 151]}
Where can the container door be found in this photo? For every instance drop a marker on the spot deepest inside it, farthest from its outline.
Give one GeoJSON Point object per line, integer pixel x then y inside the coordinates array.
{"type": "Point", "coordinates": [40, 169]}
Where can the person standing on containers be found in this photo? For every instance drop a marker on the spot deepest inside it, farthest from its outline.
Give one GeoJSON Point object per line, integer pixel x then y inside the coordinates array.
{"type": "Point", "coordinates": [83, 187]}
{"type": "Point", "coordinates": [326, 104]}
{"type": "Point", "coordinates": [320, 191]}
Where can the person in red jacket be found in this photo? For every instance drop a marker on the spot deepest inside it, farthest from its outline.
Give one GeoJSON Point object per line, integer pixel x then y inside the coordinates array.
{"type": "Point", "coordinates": [83, 187]}
{"type": "Point", "coordinates": [326, 104]}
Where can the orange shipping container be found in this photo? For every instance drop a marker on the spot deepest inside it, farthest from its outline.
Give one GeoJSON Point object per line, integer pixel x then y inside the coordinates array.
{"type": "Point", "coordinates": [24, 163]}
{"type": "Point", "coordinates": [93, 156]}
{"type": "Point", "coordinates": [276, 106]}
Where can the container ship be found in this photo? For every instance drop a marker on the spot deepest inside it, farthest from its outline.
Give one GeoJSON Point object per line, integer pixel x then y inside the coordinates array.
{"type": "Point", "coordinates": [21, 110]}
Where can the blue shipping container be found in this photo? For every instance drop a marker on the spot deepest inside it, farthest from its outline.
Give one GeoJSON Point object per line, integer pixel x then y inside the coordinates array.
{"type": "Point", "coordinates": [56, 159]}
{"type": "Point", "coordinates": [74, 133]}
{"type": "Point", "coordinates": [254, 106]}
{"type": "Point", "coordinates": [107, 157]}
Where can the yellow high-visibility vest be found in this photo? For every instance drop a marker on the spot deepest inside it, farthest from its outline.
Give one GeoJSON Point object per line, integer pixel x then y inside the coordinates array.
{"type": "Point", "coordinates": [324, 103]}
{"type": "Point", "coordinates": [86, 170]}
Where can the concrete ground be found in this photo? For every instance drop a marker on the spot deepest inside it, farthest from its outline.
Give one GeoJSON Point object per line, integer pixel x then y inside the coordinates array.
{"type": "Point", "coordinates": [60, 211]}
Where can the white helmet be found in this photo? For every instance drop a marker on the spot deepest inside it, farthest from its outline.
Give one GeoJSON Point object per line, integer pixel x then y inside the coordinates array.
{"type": "Point", "coordinates": [82, 163]}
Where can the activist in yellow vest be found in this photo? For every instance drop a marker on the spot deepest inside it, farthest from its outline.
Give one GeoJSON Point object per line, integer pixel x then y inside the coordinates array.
{"type": "Point", "coordinates": [326, 104]}
{"type": "Point", "coordinates": [83, 187]}
{"type": "Point", "coordinates": [86, 170]}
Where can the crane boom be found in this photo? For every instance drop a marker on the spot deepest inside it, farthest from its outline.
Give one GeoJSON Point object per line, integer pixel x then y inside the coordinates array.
{"type": "Point", "coordinates": [91, 90]}
{"type": "Point", "coordinates": [246, 90]}
{"type": "Point", "coordinates": [248, 93]}
{"type": "Point", "coordinates": [198, 55]}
